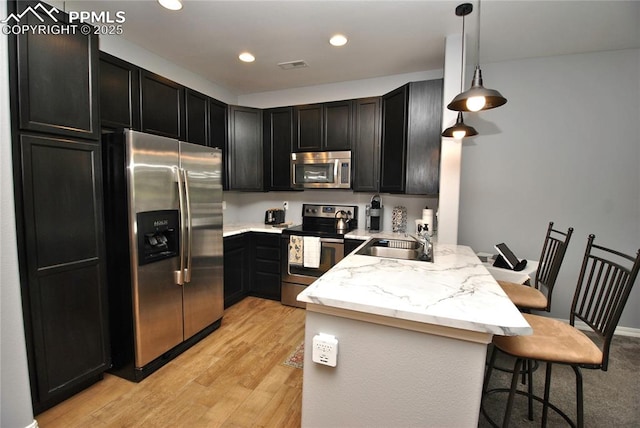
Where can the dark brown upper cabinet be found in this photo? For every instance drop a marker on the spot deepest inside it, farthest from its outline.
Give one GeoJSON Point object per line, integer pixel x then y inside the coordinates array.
{"type": "Point", "coordinates": [197, 106]}
{"type": "Point", "coordinates": [162, 106]}
{"type": "Point", "coordinates": [308, 122]}
{"type": "Point", "coordinates": [323, 127]}
{"type": "Point", "coordinates": [57, 78]}
{"type": "Point", "coordinates": [338, 118]}
{"type": "Point", "coordinates": [119, 93]}
{"type": "Point", "coordinates": [244, 154]}
{"type": "Point", "coordinates": [411, 126]}
{"type": "Point", "coordinates": [365, 155]}
{"type": "Point", "coordinates": [218, 123]}
{"type": "Point", "coordinates": [278, 137]}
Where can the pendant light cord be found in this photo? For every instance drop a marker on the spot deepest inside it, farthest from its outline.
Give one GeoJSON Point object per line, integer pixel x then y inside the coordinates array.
{"type": "Point", "coordinates": [462, 56]}
{"type": "Point", "coordinates": [478, 41]}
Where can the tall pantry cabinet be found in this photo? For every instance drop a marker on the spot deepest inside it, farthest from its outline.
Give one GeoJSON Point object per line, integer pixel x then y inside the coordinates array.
{"type": "Point", "coordinates": [58, 192]}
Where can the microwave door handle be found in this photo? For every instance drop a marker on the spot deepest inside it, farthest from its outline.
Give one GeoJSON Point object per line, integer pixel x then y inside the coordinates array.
{"type": "Point", "coordinates": [335, 170]}
{"type": "Point", "coordinates": [179, 274]}
{"type": "Point", "coordinates": [189, 225]}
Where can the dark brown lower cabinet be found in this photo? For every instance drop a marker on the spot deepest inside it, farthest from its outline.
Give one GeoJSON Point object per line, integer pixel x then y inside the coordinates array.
{"type": "Point", "coordinates": [266, 269]}
{"type": "Point", "coordinates": [237, 272]}
{"type": "Point", "coordinates": [251, 266]}
{"type": "Point", "coordinates": [351, 244]}
{"type": "Point", "coordinates": [63, 266]}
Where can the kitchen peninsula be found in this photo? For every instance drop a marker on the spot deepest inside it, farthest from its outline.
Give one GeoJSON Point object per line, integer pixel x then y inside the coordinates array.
{"type": "Point", "coordinates": [412, 340]}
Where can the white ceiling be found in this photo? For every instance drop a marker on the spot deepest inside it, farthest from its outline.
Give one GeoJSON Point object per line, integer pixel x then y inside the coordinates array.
{"type": "Point", "coordinates": [385, 37]}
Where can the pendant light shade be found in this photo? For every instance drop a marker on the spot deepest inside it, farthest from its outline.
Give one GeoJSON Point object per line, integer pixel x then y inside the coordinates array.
{"type": "Point", "coordinates": [459, 130]}
{"type": "Point", "coordinates": [477, 97]}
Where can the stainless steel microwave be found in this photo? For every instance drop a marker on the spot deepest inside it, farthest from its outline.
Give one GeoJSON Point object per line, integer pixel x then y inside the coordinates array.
{"type": "Point", "coordinates": [321, 170]}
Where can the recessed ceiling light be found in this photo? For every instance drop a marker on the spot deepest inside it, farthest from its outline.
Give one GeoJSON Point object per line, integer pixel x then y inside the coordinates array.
{"type": "Point", "coordinates": [338, 40]}
{"type": "Point", "coordinates": [171, 4]}
{"type": "Point", "coordinates": [246, 57]}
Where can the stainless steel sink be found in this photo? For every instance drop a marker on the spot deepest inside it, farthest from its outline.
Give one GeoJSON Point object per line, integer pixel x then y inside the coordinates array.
{"type": "Point", "coordinates": [408, 249]}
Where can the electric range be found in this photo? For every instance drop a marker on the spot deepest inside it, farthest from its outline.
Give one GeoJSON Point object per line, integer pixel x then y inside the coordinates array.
{"type": "Point", "coordinates": [312, 248]}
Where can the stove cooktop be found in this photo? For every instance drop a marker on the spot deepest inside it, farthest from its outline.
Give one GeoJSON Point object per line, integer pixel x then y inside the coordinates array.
{"type": "Point", "coordinates": [328, 231]}
{"type": "Point", "coordinates": [320, 220]}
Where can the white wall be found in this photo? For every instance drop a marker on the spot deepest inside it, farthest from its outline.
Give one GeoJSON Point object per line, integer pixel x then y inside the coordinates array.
{"type": "Point", "coordinates": [565, 148]}
{"type": "Point", "coordinates": [335, 91]}
{"type": "Point", "coordinates": [15, 395]}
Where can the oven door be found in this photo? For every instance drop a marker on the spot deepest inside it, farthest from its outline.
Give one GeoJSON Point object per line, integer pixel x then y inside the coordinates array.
{"type": "Point", "coordinates": [331, 252]}
{"type": "Point", "coordinates": [296, 277]}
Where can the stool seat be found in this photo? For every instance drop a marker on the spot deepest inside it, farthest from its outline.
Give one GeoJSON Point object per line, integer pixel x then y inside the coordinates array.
{"type": "Point", "coordinates": [552, 340]}
{"type": "Point", "coordinates": [524, 296]}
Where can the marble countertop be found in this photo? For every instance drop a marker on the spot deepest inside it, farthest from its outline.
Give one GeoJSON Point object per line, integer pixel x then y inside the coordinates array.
{"type": "Point", "coordinates": [455, 291]}
{"type": "Point", "coordinates": [237, 229]}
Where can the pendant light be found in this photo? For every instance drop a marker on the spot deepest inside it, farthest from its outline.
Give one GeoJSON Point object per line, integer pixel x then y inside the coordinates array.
{"type": "Point", "coordinates": [460, 130]}
{"type": "Point", "coordinates": [477, 97]}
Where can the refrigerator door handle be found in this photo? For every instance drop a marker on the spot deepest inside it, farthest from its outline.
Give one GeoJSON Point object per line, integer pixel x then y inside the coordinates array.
{"type": "Point", "coordinates": [187, 271]}
{"type": "Point", "coordinates": [179, 274]}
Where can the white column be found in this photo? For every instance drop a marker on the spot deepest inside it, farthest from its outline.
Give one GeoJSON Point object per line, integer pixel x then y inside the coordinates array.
{"type": "Point", "coordinates": [451, 154]}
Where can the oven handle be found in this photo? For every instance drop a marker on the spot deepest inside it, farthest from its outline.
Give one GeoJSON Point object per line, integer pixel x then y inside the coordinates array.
{"type": "Point", "coordinates": [327, 240]}
{"type": "Point", "coordinates": [332, 240]}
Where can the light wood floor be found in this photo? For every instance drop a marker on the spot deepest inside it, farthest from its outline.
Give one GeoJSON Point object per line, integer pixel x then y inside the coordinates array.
{"type": "Point", "coordinates": [232, 378]}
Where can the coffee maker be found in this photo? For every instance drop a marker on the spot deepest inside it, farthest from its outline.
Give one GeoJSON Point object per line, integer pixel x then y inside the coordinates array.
{"type": "Point", "coordinates": [373, 212]}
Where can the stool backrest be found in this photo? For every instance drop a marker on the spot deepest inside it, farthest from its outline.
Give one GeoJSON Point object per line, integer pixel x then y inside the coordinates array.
{"type": "Point", "coordinates": [553, 251]}
{"type": "Point", "coordinates": [606, 279]}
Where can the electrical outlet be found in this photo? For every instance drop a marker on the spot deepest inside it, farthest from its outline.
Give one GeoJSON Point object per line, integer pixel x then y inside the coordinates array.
{"type": "Point", "coordinates": [325, 349]}
{"type": "Point", "coordinates": [285, 205]}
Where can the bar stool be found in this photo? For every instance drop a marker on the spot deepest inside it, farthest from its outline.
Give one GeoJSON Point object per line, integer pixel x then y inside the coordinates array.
{"type": "Point", "coordinates": [605, 281]}
{"type": "Point", "coordinates": [528, 298]}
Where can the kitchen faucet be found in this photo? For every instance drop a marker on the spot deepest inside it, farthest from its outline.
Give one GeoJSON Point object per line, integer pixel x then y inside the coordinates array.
{"type": "Point", "coordinates": [425, 240]}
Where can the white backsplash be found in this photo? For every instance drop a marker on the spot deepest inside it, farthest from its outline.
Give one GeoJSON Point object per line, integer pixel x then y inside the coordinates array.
{"type": "Point", "coordinates": [249, 207]}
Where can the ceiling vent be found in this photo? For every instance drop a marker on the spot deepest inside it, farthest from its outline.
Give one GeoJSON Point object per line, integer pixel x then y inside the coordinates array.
{"type": "Point", "coordinates": [289, 65]}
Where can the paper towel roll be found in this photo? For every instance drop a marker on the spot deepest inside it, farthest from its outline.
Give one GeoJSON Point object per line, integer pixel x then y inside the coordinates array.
{"type": "Point", "coordinates": [427, 218]}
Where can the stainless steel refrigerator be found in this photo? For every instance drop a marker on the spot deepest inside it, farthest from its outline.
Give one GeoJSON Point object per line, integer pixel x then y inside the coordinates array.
{"type": "Point", "coordinates": [163, 212]}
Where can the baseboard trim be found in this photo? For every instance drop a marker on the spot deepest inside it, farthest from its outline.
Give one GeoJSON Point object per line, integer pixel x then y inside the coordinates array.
{"type": "Point", "coordinates": [33, 424]}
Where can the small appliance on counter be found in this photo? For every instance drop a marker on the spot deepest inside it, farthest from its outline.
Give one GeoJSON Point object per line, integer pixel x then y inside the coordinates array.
{"type": "Point", "coordinates": [373, 212]}
{"type": "Point", "coordinates": [274, 216]}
